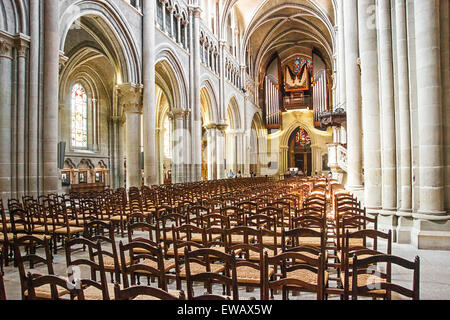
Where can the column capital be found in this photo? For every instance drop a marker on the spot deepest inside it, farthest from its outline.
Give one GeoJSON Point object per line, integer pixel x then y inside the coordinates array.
{"type": "Point", "coordinates": [210, 126]}
{"type": "Point", "coordinates": [5, 49]}
{"type": "Point", "coordinates": [179, 113]}
{"type": "Point", "coordinates": [118, 119]}
{"type": "Point", "coordinates": [130, 97]}
{"type": "Point", "coordinates": [22, 43]}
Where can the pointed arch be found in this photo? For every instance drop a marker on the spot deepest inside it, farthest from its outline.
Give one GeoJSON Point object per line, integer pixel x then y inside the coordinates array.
{"type": "Point", "coordinates": [105, 22]}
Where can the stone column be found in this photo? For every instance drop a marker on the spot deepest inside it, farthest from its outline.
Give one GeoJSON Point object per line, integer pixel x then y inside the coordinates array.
{"type": "Point", "coordinates": [341, 54]}
{"type": "Point", "coordinates": [20, 133]}
{"type": "Point", "coordinates": [5, 119]}
{"type": "Point", "coordinates": [404, 113]}
{"type": "Point", "coordinates": [445, 71]}
{"type": "Point", "coordinates": [50, 92]}
{"type": "Point", "coordinates": [187, 145]}
{"type": "Point", "coordinates": [130, 100]}
{"type": "Point", "coordinates": [431, 216]}
{"type": "Point", "coordinates": [33, 102]}
{"type": "Point", "coordinates": [211, 136]}
{"type": "Point", "coordinates": [151, 176]}
{"type": "Point", "coordinates": [389, 177]}
{"type": "Point", "coordinates": [370, 105]}
{"type": "Point", "coordinates": [220, 148]}
{"type": "Point", "coordinates": [196, 116]}
{"type": "Point", "coordinates": [405, 178]}
{"type": "Point", "coordinates": [178, 145]}
{"type": "Point", "coordinates": [353, 96]}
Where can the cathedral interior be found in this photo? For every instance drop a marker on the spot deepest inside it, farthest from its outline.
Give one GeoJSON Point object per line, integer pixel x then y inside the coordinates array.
{"type": "Point", "coordinates": [123, 111]}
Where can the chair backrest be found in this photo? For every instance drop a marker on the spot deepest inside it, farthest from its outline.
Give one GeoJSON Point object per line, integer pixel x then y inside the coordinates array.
{"type": "Point", "coordinates": [144, 259]}
{"type": "Point", "coordinates": [366, 265]}
{"type": "Point", "coordinates": [204, 257]}
{"type": "Point", "coordinates": [144, 293]}
{"type": "Point", "coordinates": [91, 263]}
{"type": "Point", "coordinates": [290, 262]}
{"type": "Point", "coordinates": [56, 282]}
{"type": "Point", "coordinates": [97, 230]}
{"type": "Point", "coordinates": [30, 244]}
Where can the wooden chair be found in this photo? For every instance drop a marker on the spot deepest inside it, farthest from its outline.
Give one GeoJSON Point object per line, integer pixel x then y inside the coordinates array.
{"type": "Point", "coordinates": [30, 244]}
{"type": "Point", "coordinates": [97, 230]}
{"type": "Point", "coordinates": [361, 250]}
{"type": "Point", "coordinates": [146, 260]}
{"type": "Point", "coordinates": [383, 281]}
{"type": "Point", "coordinates": [226, 276]}
{"type": "Point", "coordinates": [58, 284]}
{"type": "Point", "coordinates": [249, 258]}
{"type": "Point", "coordinates": [299, 272]}
{"type": "Point", "coordinates": [89, 288]}
{"type": "Point", "coordinates": [145, 293]}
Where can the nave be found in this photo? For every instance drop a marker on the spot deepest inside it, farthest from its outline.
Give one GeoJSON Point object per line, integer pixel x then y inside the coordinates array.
{"type": "Point", "coordinates": [228, 239]}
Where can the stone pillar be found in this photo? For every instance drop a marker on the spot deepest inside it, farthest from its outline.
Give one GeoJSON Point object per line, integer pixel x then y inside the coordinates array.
{"type": "Point", "coordinates": [445, 71]}
{"type": "Point", "coordinates": [130, 100]}
{"type": "Point", "coordinates": [178, 145]}
{"type": "Point", "coordinates": [220, 148]}
{"type": "Point", "coordinates": [187, 145]}
{"type": "Point", "coordinates": [353, 97]}
{"type": "Point", "coordinates": [389, 177]}
{"type": "Point", "coordinates": [211, 136]}
{"type": "Point", "coordinates": [21, 46]}
{"type": "Point", "coordinates": [405, 177]}
{"type": "Point", "coordinates": [151, 176]}
{"type": "Point", "coordinates": [431, 228]}
{"type": "Point", "coordinates": [50, 92]}
{"type": "Point", "coordinates": [33, 102]}
{"type": "Point", "coordinates": [370, 105]}
{"type": "Point", "coordinates": [5, 119]}
{"type": "Point", "coordinates": [196, 115]}
{"type": "Point", "coordinates": [341, 54]}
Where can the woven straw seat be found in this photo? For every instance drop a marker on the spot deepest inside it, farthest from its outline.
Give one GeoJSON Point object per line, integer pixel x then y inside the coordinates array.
{"type": "Point", "coordinates": [168, 264]}
{"type": "Point", "coordinates": [198, 237]}
{"type": "Point", "coordinates": [268, 240]}
{"type": "Point", "coordinates": [365, 279]}
{"type": "Point", "coordinates": [169, 236]}
{"type": "Point", "coordinates": [306, 276]}
{"type": "Point", "coordinates": [198, 268]}
{"type": "Point", "coordinates": [92, 293]}
{"type": "Point", "coordinates": [350, 260]}
{"type": "Point", "coordinates": [44, 292]}
{"type": "Point", "coordinates": [310, 241]}
{"type": "Point", "coordinates": [175, 293]}
{"type": "Point", "coordinates": [109, 264]}
{"type": "Point", "coordinates": [117, 218]}
{"type": "Point", "coordinates": [8, 227]}
{"type": "Point", "coordinates": [41, 229]}
{"type": "Point", "coordinates": [250, 275]}
{"type": "Point", "coordinates": [72, 230]}
{"type": "Point", "coordinates": [75, 223]}
{"type": "Point", "coordinates": [10, 236]}
{"type": "Point", "coordinates": [254, 256]}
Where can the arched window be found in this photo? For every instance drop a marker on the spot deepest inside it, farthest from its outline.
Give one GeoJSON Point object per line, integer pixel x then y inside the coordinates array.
{"type": "Point", "coordinates": [79, 117]}
{"type": "Point", "coordinates": [167, 138]}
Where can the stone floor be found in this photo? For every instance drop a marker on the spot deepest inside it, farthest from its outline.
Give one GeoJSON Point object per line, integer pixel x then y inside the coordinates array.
{"type": "Point", "coordinates": [434, 275]}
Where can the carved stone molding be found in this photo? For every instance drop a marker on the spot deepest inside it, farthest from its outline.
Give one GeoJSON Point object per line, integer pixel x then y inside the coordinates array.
{"type": "Point", "coordinates": [5, 49]}
{"type": "Point", "coordinates": [130, 97]}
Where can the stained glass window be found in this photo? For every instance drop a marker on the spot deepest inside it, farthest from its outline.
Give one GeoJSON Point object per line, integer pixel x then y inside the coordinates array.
{"type": "Point", "coordinates": [302, 139]}
{"type": "Point", "coordinates": [79, 117]}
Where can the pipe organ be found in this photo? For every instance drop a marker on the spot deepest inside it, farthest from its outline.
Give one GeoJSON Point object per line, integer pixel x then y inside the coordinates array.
{"type": "Point", "coordinates": [272, 102]}
{"type": "Point", "coordinates": [320, 101]}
